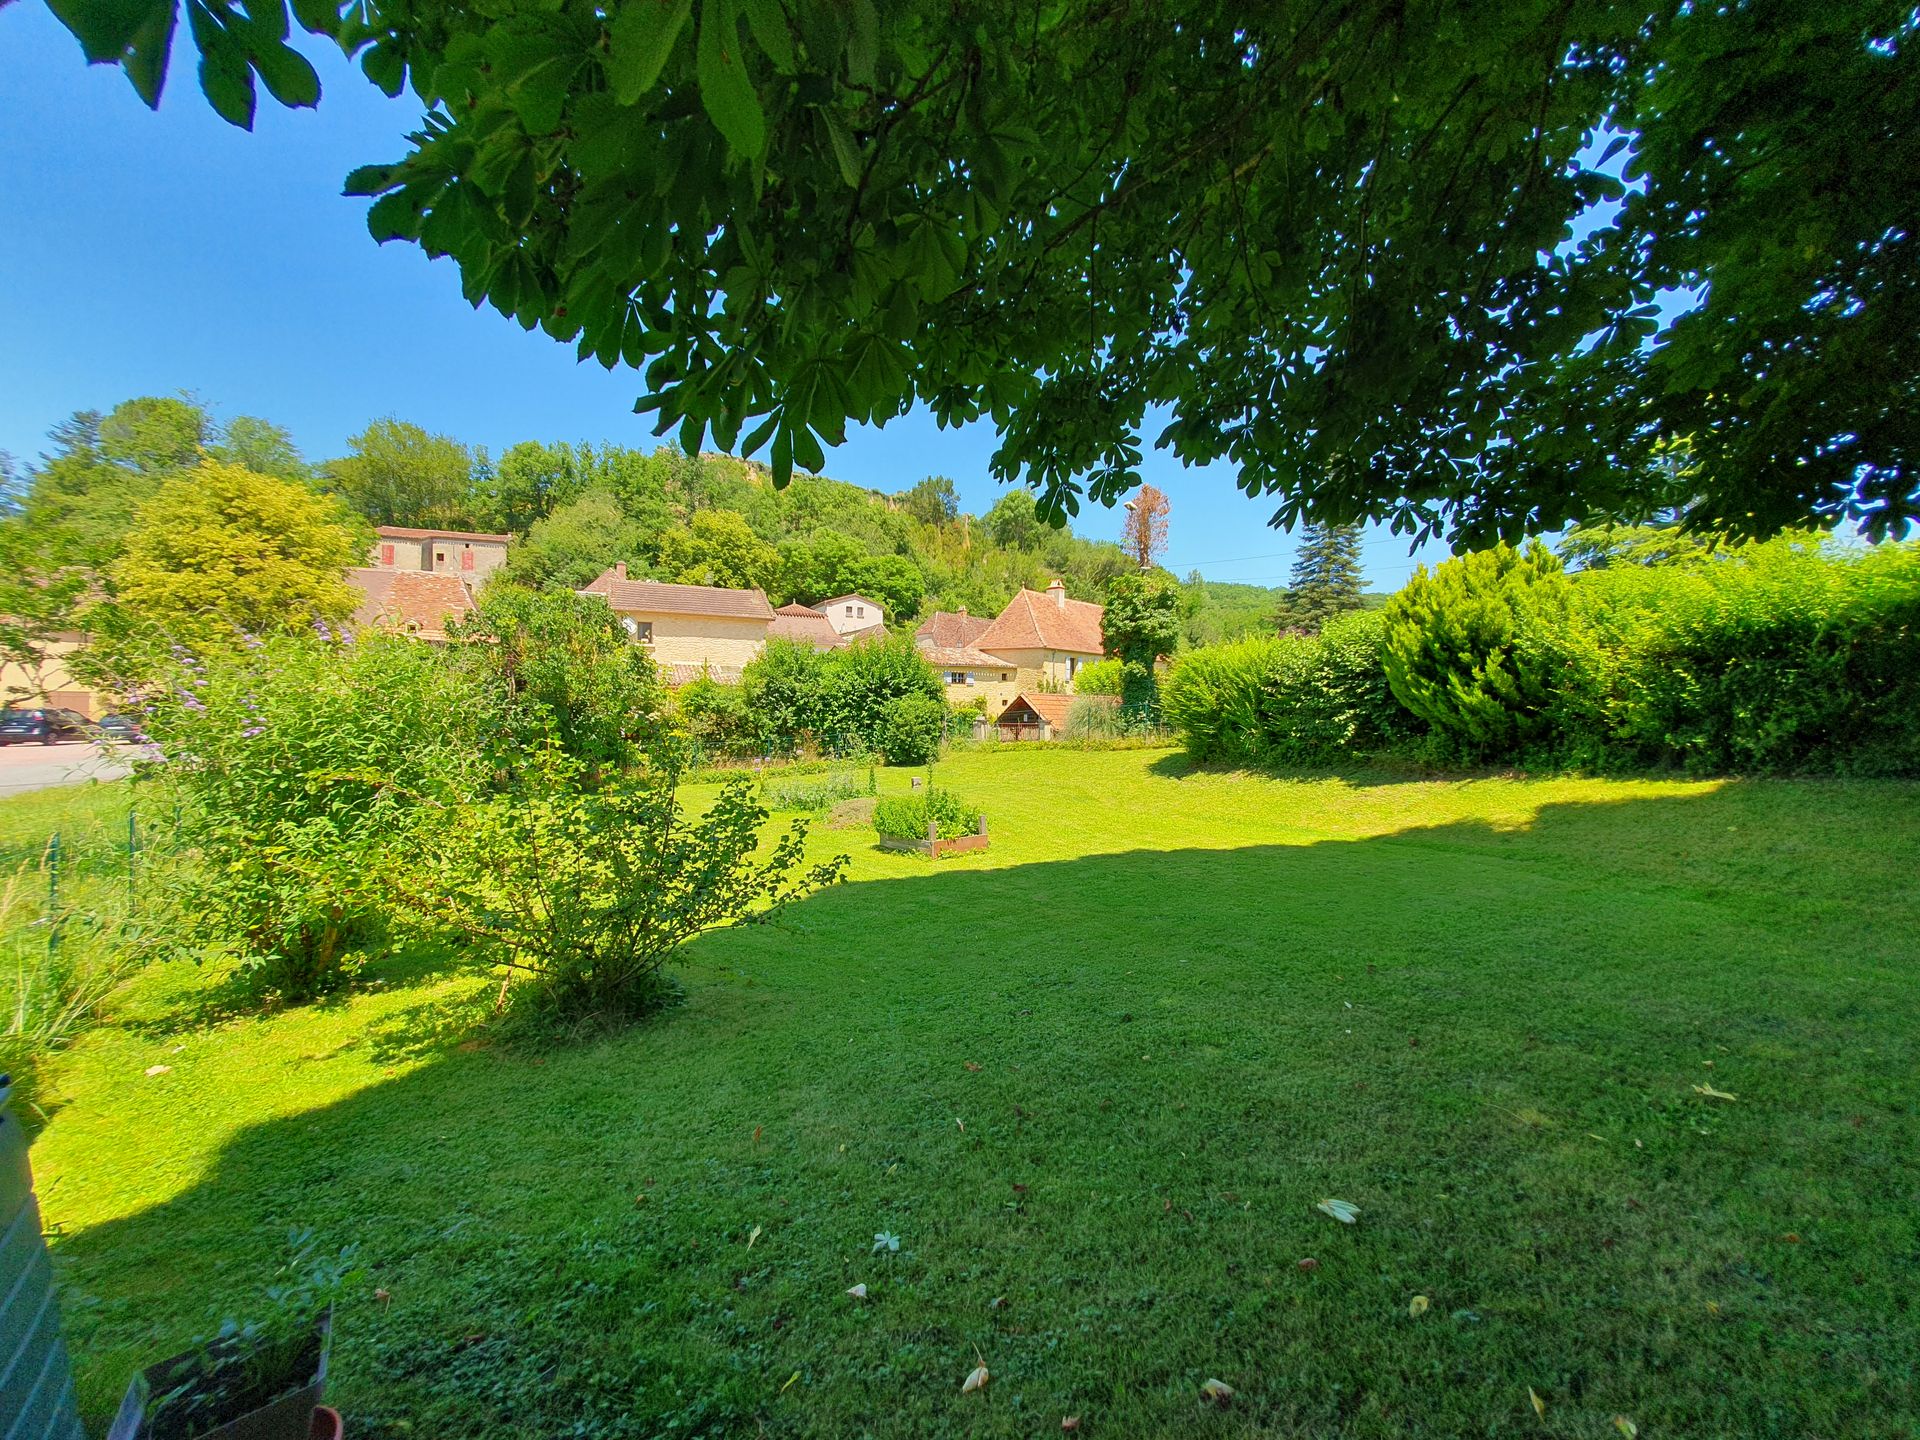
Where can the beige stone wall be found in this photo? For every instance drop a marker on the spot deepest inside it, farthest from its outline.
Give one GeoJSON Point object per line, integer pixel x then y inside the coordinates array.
{"type": "Point", "coordinates": [443, 556]}
{"type": "Point", "coordinates": [50, 683]}
{"type": "Point", "coordinates": [986, 685]}
{"type": "Point", "coordinates": [702, 639]}
{"type": "Point", "coordinates": [1047, 669]}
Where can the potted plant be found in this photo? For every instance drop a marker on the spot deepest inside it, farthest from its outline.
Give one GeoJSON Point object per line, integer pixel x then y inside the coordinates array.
{"type": "Point", "coordinates": [258, 1379]}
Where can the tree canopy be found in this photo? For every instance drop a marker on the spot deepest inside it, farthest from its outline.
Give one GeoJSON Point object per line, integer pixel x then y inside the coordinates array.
{"type": "Point", "coordinates": [1334, 247]}
{"type": "Point", "coordinates": [220, 551]}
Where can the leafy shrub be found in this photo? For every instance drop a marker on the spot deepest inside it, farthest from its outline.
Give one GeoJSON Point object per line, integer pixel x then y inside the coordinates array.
{"type": "Point", "coordinates": [859, 681]}
{"type": "Point", "coordinates": [563, 660]}
{"type": "Point", "coordinates": [586, 893]}
{"type": "Point", "coordinates": [835, 701]}
{"type": "Point", "coordinates": [1102, 677]}
{"type": "Point", "coordinates": [1468, 646]}
{"type": "Point", "coordinates": [718, 719]}
{"type": "Point", "coordinates": [1771, 658]}
{"type": "Point", "coordinates": [906, 817]}
{"type": "Point", "coordinates": [911, 728]}
{"type": "Point", "coordinates": [1213, 698]}
{"type": "Point", "coordinates": [299, 769]}
{"type": "Point", "coordinates": [782, 686]}
{"type": "Point", "coordinates": [785, 791]}
{"type": "Point", "coordinates": [1327, 698]}
{"type": "Point", "coordinates": [1095, 719]}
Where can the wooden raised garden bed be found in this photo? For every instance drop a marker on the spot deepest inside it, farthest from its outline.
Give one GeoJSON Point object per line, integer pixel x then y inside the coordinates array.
{"type": "Point", "coordinates": [935, 847]}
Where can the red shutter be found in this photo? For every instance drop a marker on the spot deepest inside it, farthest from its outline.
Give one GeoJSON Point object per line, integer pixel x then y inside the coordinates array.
{"type": "Point", "coordinates": [386, 554]}
{"type": "Point", "coordinates": [466, 558]}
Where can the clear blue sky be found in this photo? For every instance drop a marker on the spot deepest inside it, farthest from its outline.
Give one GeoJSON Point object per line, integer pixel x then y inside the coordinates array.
{"type": "Point", "coordinates": [150, 253]}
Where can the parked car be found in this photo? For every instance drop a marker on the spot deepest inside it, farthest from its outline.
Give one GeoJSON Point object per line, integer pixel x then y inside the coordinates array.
{"type": "Point", "coordinates": [120, 729]}
{"type": "Point", "coordinates": [19, 726]}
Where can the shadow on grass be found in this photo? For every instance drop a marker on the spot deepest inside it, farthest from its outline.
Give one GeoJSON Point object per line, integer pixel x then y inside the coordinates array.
{"type": "Point", "coordinates": [1105, 1095]}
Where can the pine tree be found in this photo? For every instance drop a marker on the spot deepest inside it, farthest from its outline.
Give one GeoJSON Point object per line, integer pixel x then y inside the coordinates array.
{"type": "Point", "coordinates": [1326, 578]}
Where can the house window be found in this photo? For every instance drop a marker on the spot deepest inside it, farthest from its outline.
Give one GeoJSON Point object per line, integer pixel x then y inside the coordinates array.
{"type": "Point", "coordinates": [439, 558]}
{"type": "Point", "coordinates": [959, 677]}
{"type": "Point", "coordinates": [860, 611]}
{"type": "Point", "coordinates": [849, 610]}
{"type": "Point", "coordinates": [1073, 666]}
{"type": "Point", "coordinates": [1004, 676]}
{"type": "Point", "coordinates": [638, 631]}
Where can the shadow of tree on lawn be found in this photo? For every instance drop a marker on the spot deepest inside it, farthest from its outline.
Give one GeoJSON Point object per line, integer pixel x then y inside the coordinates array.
{"type": "Point", "coordinates": [1109, 1091]}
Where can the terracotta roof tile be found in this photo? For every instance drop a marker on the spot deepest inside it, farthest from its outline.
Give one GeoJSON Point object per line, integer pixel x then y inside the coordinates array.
{"type": "Point", "coordinates": [654, 597]}
{"type": "Point", "coordinates": [809, 627]}
{"type": "Point", "coordinates": [684, 672]}
{"type": "Point", "coordinates": [414, 602]}
{"type": "Point", "coordinates": [951, 630]}
{"type": "Point", "coordinates": [1036, 621]}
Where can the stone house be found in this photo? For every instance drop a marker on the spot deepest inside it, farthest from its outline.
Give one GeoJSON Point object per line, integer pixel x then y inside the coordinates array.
{"type": "Point", "coordinates": [690, 630]}
{"type": "Point", "coordinates": [950, 642]}
{"type": "Point", "coordinates": [468, 554]}
{"type": "Point", "coordinates": [851, 614]}
{"type": "Point", "coordinates": [1046, 638]}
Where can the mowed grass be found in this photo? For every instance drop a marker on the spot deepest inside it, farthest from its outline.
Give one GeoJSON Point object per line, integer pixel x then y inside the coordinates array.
{"type": "Point", "coordinates": [1095, 1080]}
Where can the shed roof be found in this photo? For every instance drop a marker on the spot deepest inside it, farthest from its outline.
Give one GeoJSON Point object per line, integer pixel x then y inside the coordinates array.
{"type": "Point", "coordinates": [809, 627]}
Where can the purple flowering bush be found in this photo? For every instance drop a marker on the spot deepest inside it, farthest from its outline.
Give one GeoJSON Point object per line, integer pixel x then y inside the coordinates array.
{"type": "Point", "coordinates": [303, 768]}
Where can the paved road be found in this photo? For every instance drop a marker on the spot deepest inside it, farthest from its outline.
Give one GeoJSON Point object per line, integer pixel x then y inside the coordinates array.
{"type": "Point", "coordinates": [37, 767]}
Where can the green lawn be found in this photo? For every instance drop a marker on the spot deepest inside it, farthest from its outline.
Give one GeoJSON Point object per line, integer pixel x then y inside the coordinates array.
{"type": "Point", "coordinates": [1096, 1079]}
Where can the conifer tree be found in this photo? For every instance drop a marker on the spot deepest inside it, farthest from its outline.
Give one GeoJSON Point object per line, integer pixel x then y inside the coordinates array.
{"type": "Point", "coordinates": [1326, 579]}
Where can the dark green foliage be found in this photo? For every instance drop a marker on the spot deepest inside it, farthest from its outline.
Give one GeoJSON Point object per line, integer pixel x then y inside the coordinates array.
{"type": "Point", "coordinates": [1291, 699]}
{"type": "Point", "coordinates": [1326, 579]}
{"type": "Point", "coordinates": [1313, 236]}
{"type": "Point", "coordinates": [783, 687]}
{"type": "Point", "coordinates": [564, 665]}
{"type": "Point", "coordinates": [719, 721]}
{"type": "Point", "coordinates": [1102, 677]}
{"type": "Point", "coordinates": [1142, 624]}
{"type": "Point", "coordinates": [1774, 659]}
{"type": "Point", "coordinates": [911, 729]}
{"type": "Point", "coordinates": [1467, 647]}
{"type": "Point", "coordinates": [906, 817]}
{"type": "Point", "coordinates": [859, 684]}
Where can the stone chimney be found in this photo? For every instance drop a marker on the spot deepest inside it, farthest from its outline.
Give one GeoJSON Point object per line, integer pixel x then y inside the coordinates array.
{"type": "Point", "coordinates": [620, 571]}
{"type": "Point", "coordinates": [1059, 593]}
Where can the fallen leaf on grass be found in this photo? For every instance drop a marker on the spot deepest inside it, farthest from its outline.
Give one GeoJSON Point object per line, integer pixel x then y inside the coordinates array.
{"type": "Point", "coordinates": [1345, 1211]}
{"type": "Point", "coordinates": [1625, 1426]}
{"type": "Point", "coordinates": [961, 1123]}
{"type": "Point", "coordinates": [153, 1070]}
{"type": "Point", "coordinates": [756, 1133]}
{"type": "Point", "coordinates": [976, 1380]}
{"type": "Point", "coordinates": [859, 1292]}
{"type": "Point", "coordinates": [1309, 1264]}
{"type": "Point", "coordinates": [1417, 1306]}
{"type": "Point", "coordinates": [996, 1302]}
{"type": "Point", "coordinates": [973, 1067]}
{"type": "Point", "coordinates": [1069, 1423]}
{"type": "Point", "coordinates": [1713, 1094]}
{"type": "Point", "coordinates": [1539, 1405]}
{"type": "Point", "coordinates": [753, 1238]}
{"type": "Point", "coordinates": [384, 1296]}
{"type": "Point", "coordinates": [790, 1379]}
{"type": "Point", "coordinates": [1218, 1391]}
